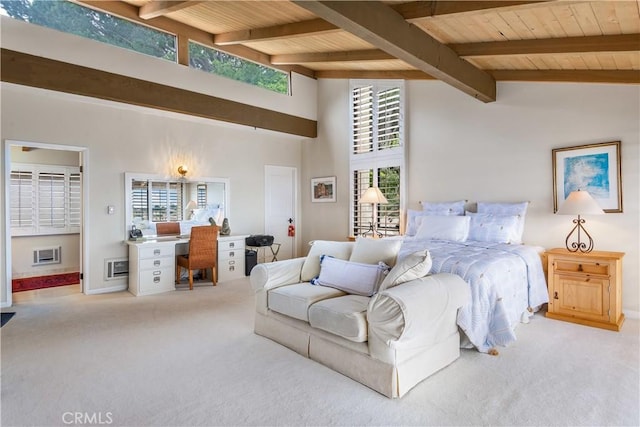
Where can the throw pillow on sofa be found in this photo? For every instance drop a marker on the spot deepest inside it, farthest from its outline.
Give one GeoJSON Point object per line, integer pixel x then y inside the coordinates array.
{"type": "Point", "coordinates": [372, 251]}
{"type": "Point", "coordinates": [413, 266]}
{"type": "Point", "coordinates": [352, 277]}
{"type": "Point", "coordinates": [311, 266]}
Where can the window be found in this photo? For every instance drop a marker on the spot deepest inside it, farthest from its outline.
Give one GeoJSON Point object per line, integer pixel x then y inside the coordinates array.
{"type": "Point", "coordinates": [45, 199]}
{"type": "Point", "coordinates": [85, 22]}
{"type": "Point", "coordinates": [220, 63]}
{"type": "Point", "coordinates": [377, 155]}
{"type": "Point", "coordinates": [159, 201]}
{"type": "Point", "coordinates": [201, 195]}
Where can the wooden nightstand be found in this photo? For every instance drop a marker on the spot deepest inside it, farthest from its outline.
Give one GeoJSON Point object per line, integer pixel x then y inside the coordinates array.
{"type": "Point", "coordinates": [586, 288]}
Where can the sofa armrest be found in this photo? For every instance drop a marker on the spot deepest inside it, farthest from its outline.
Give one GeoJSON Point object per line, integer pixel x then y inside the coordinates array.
{"type": "Point", "coordinates": [274, 274]}
{"type": "Point", "coordinates": [415, 314]}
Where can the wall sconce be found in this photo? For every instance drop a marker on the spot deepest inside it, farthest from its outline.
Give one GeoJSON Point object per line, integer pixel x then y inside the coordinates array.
{"type": "Point", "coordinates": [374, 196]}
{"type": "Point", "coordinates": [579, 203]}
{"type": "Point", "coordinates": [182, 170]}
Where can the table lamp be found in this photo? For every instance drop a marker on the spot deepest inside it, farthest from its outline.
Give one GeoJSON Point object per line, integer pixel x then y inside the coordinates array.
{"type": "Point", "coordinates": [188, 210]}
{"type": "Point", "coordinates": [579, 203]}
{"type": "Point", "coordinates": [374, 196]}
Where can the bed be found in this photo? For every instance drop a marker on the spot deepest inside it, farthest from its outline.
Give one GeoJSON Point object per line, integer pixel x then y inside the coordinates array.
{"type": "Point", "coordinates": [506, 277]}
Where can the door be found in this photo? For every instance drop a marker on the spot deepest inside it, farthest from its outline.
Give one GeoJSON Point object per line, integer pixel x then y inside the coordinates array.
{"type": "Point", "coordinates": [280, 208]}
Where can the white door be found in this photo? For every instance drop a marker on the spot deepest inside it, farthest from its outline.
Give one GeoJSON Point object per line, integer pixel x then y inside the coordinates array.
{"type": "Point", "coordinates": [280, 207]}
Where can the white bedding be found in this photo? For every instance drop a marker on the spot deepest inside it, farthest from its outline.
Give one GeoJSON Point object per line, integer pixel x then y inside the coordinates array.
{"type": "Point", "coordinates": [506, 282]}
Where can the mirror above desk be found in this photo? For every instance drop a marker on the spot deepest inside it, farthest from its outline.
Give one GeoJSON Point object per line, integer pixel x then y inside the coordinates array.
{"type": "Point", "coordinates": [150, 199]}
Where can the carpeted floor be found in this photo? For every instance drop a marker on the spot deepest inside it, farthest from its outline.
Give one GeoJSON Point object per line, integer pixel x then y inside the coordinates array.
{"type": "Point", "coordinates": [190, 358]}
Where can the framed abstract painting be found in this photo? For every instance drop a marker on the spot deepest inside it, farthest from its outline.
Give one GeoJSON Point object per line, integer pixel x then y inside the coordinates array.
{"type": "Point", "coordinates": [594, 168]}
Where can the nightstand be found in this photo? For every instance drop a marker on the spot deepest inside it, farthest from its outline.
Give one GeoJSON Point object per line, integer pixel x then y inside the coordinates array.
{"type": "Point", "coordinates": [586, 288]}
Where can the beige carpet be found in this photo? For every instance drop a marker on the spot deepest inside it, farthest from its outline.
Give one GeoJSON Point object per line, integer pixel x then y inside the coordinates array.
{"type": "Point", "coordinates": [190, 358]}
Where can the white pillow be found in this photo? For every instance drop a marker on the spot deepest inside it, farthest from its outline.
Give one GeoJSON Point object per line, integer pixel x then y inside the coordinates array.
{"type": "Point", "coordinates": [444, 208]}
{"type": "Point", "coordinates": [413, 266]}
{"type": "Point", "coordinates": [351, 277]}
{"type": "Point", "coordinates": [412, 221]}
{"type": "Point", "coordinates": [444, 227]}
{"type": "Point", "coordinates": [311, 265]}
{"type": "Point", "coordinates": [507, 209]}
{"type": "Point", "coordinates": [494, 228]}
{"type": "Point", "coordinates": [373, 251]}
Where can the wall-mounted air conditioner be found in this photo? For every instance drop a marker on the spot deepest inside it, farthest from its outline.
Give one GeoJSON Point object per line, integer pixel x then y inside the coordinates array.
{"type": "Point", "coordinates": [116, 268]}
{"type": "Point", "coordinates": [44, 256]}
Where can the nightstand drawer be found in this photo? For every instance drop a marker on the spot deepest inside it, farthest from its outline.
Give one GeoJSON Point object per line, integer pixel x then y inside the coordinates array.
{"type": "Point", "coordinates": [570, 266]}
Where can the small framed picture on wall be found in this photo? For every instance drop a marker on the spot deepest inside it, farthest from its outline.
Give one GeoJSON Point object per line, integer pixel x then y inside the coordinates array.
{"type": "Point", "coordinates": [323, 189]}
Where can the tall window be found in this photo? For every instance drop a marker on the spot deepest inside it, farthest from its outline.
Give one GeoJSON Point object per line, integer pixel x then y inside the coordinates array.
{"type": "Point", "coordinates": [377, 155]}
{"type": "Point", "coordinates": [45, 199]}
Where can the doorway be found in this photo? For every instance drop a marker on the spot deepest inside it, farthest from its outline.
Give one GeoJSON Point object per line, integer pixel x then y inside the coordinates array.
{"type": "Point", "coordinates": [48, 256]}
{"type": "Point", "coordinates": [280, 190]}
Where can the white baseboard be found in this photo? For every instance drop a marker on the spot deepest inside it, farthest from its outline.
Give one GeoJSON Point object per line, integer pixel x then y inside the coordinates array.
{"type": "Point", "coordinates": [5, 304]}
{"type": "Point", "coordinates": [631, 314]}
{"type": "Point", "coordinates": [118, 288]}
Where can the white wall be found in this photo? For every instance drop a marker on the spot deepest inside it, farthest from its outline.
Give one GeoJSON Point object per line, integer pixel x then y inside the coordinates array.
{"type": "Point", "coordinates": [460, 148]}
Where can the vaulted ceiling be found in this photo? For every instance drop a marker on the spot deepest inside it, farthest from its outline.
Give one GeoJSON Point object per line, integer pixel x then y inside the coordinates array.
{"type": "Point", "coordinates": [467, 44]}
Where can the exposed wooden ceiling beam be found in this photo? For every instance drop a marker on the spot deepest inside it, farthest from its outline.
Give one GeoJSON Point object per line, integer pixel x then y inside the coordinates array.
{"type": "Point", "coordinates": [373, 74]}
{"type": "Point", "coordinates": [157, 8]}
{"type": "Point", "coordinates": [409, 11]}
{"type": "Point", "coordinates": [425, 9]}
{"type": "Point", "coordinates": [36, 71]}
{"type": "Point", "coordinates": [381, 26]}
{"type": "Point", "coordinates": [130, 12]}
{"type": "Point", "coordinates": [353, 55]}
{"type": "Point", "coordinates": [295, 29]}
{"type": "Point", "coordinates": [613, 43]}
{"type": "Point", "coordinates": [578, 76]}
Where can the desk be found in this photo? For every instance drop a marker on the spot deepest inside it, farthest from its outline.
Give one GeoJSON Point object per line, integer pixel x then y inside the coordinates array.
{"type": "Point", "coordinates": [152, 262]}
{"type": "Point", "coordinates": [274, 252]}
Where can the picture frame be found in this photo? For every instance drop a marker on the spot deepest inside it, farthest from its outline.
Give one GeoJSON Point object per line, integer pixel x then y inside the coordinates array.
{"type": "Point", "coordinates": [594, 168]}
{"type": "Point", "coordinates": [323, 190]}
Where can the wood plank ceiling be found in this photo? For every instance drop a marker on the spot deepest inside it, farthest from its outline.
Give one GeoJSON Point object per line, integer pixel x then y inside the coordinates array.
{"type": "Point", "coordinates": [468, 44]}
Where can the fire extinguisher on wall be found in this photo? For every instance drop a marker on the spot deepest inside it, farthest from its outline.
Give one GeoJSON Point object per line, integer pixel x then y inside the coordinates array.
{"type": "Point", "coordinates": [291, 232]}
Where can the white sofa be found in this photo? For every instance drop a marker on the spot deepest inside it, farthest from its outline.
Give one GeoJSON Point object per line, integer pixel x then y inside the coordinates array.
{"type": "Point", "coordinates": [389, 341]}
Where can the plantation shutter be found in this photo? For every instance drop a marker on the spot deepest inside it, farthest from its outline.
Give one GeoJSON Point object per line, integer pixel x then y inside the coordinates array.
{"type": "Point", "coordinates": [388, 129]}
{"type": "Point", "coordinates": [362, 119]}
{"type": "Point", "coordinates": [51, 201]}
{"type": "Point", "coordinates": [140, 200]}
{"type": "Point", "coordinates": [22, 201]}
{"type": "Point", "coordinates": [201, 194]}
{"type": "Point", "coordinates": [75, 201]}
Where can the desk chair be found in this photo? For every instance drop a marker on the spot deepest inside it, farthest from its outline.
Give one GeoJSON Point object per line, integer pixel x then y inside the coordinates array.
{"type": "Point", "coordinates": [167, 228]}
{"type": "Point", "coordinates": [203, 253]}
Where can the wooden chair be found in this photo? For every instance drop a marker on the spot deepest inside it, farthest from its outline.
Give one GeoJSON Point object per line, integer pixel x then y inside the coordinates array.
{"type": "Point", "coordinates": [167, 228]}
{"type": "Point", "coordinates": [203, 254]}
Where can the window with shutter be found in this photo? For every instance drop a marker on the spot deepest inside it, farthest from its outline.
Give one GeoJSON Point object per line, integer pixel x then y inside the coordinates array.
{"type": "Point", "coordinates": [377, 155]}
{"type": "Point", "coordinates": [45, 199]}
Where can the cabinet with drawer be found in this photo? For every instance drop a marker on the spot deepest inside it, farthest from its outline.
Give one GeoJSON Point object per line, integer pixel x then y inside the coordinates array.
{"type": "Point", "coordinates": [586, 288]}
{"type": "Point", "coordinates": [152, 268]}
{"type": "Point", "coordinates": [231, 257]}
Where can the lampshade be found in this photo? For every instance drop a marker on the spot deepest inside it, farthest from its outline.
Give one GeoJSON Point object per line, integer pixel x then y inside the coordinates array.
{"type": "Point", "coordinates": [191, 205]}
{"type": "Point", "coordinates": [580, 203]}
{"type": "Point", "coordinates": [373, 195]}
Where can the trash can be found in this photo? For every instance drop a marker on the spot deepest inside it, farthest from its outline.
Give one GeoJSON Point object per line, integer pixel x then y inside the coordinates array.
{"type": "Point", "coordinates": [250, 260]}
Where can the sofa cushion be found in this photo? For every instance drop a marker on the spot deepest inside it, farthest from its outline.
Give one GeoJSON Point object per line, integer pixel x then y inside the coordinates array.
{"type": "Point", "coordinates": [311, 266]}
{"type": "Point", "coordinates": [351, 277]}
{"type": "Point", "coordinates": [344, 316]}
{"type": "Point", "coordinates": [413, 266]}
{"type": "Point", "coordinates": [294, 300]}
{"type": "Point", "coordinates": [372, 251]}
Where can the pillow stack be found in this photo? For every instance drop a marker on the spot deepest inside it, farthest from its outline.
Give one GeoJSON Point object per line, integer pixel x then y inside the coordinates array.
{"type": "Point", "coordinates": [494, 222]}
